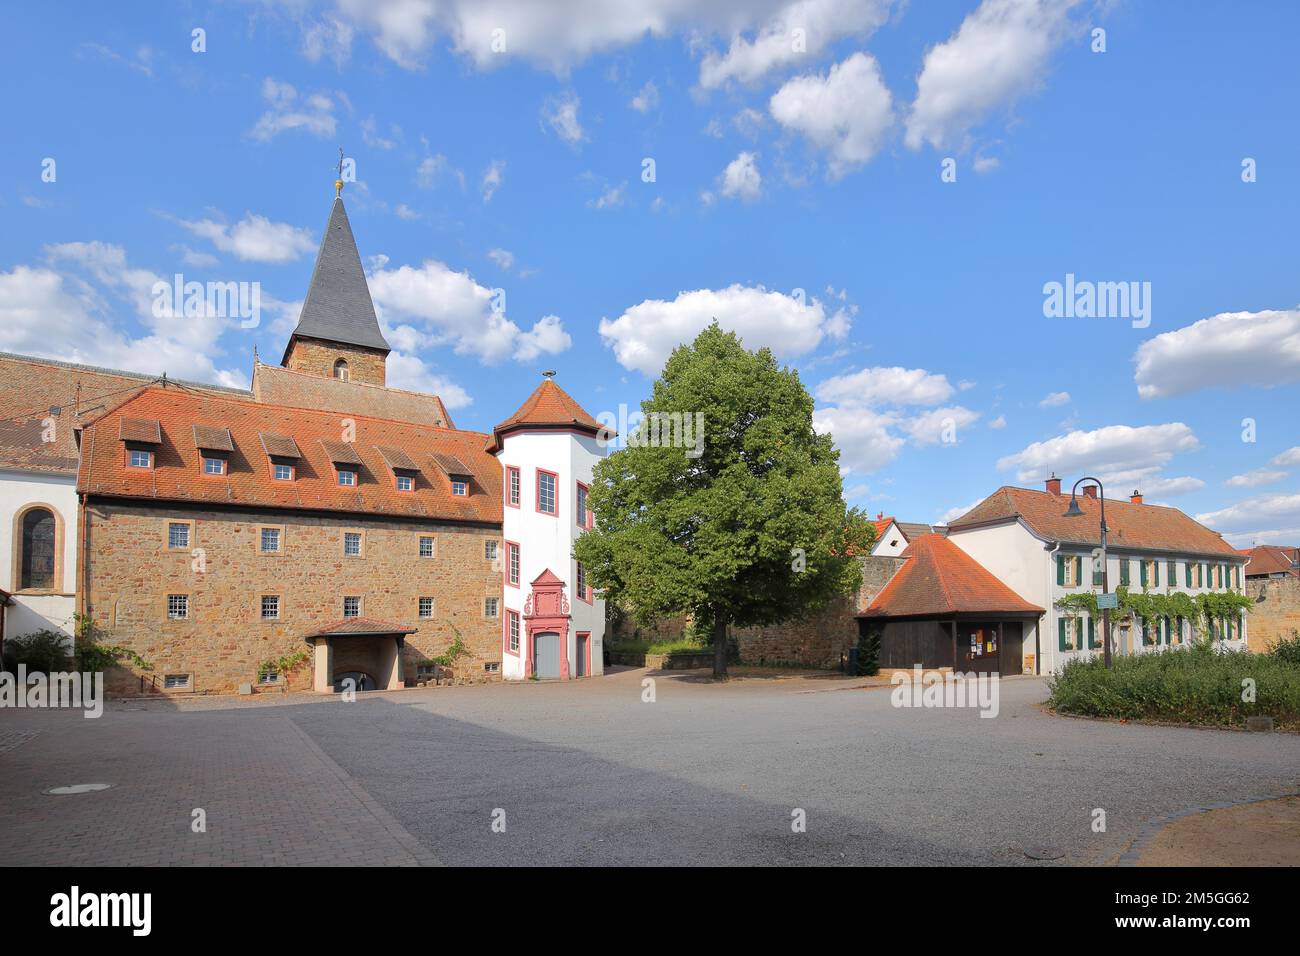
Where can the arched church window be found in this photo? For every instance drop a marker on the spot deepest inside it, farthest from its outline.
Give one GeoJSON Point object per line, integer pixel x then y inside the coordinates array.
{"type": "Point", "coordinates": [38, 547]}
{"type": "Point", "coordinates": [341, 370]}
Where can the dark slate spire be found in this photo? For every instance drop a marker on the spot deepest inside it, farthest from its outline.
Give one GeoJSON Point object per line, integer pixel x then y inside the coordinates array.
{"type": "Point", "coordinates": [338, 306]}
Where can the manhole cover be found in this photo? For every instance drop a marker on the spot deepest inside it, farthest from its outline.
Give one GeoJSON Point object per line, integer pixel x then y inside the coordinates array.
{"type": "Point", "coordinates": [1044, 852]}
{"type": "Point", "coordinates": [78, 788]}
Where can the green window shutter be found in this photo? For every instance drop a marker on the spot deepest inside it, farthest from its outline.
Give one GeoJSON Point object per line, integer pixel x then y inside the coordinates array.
{"type": "Point", "coordinates": [1060, 570]}
{"type": "Point", "coordinates": [1188, 566]}
{"type": "Point", "coordinates": [1236, 575]}
{"type": "Point", "coordinates": [1078, 572]}
{"type": "Point", "coordinates": [1229, 628]}
{"type": "Point", "coordinates": [1142, 573]}
{"type": "Point", "coordinates": [1092, 634]}
{"type": "Point", "coordinates": [1123, 571]}
{"type": "Point", "coordinates": [1155, 569]}
{"type": "Point", "coordinates": [1060, 629]}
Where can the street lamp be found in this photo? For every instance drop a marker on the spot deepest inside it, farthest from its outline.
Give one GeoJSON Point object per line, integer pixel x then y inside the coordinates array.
{"type": "Point", "coordinates": [1074, 511]}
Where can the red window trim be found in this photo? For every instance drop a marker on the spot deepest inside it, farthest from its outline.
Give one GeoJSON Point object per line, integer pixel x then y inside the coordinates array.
{"type": "Point", "coordinates": [587, 594]}
{"type": "Point", "coordinates": [519, 475]}
{"type": "Point", "coordinates": [203, 463]}
{"type": "Point", "coordinates": [505, 633]}
{"type": "Point", "coordinates": [397, 486]}
{"type": "Point", "coordinates": [293, 470]}
{"type": "Point", "coordinates": [586, 517]}
{"type": "Point", "coordinates": [577, 637]}
{"type": "Point", "coordinates": [537, 498]}
{"type": "Point", "coordinates": [505, 568]}
{"type": "Point", "coordinates": [126, 459]}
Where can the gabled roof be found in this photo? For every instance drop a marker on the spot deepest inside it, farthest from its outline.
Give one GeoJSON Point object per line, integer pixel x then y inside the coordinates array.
{"type": "Point", "coordinates": [939, 579]}
{"type": "Point", "coordinates": [1272, 559]}
{"type": "Point", "coordinates": [361, 627]}
{"type": "Point", "coordinates": [275, 385]}
{"type": "Point", "coordinates": [1141, 527]}
{"type": "Point", "coordinates": [248, 481]}
{"type": "Point", "coordinates": [549, 406]}
{"type": "Point", "coordinates": [338, 307]}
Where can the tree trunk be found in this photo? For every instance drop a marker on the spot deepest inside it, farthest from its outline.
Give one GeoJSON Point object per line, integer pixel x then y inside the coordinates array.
{"type": "Point", "coordinates": [719, 645]}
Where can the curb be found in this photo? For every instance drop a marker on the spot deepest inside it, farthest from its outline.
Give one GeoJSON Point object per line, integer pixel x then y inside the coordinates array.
{"type": "Point", "coordinates": [1153, 827]}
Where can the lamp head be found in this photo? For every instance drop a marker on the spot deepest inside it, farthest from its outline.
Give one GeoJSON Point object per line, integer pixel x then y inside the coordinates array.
{"type": "Point", "coordinates": [1074, 511]}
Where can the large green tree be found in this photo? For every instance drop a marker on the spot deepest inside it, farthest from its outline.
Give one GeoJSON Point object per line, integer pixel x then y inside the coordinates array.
{"type": "Point", "coordinates": [747, 526]}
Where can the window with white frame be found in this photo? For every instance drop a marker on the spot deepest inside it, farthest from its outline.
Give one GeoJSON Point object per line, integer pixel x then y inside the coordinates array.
{"type": "Point", "coordinates": [282, 472]}
{"type": "Point", "coordinates": [426, 545]}
{"type": "Point", "coordinates": [490, 607]}
{"type": "Point", "coordinates": [347, 477]}
{"type": "Point", "coordinates": [351, 606]}
{"type": "Point", "coordinates": [178, 607]}
{"type": "Point", "coordinates": [583, 515]}
{"type": "Point", "coordinates": [583, 593]}
{"type": "Point", "coordinates": [490, 549]}
{"type": "Point", "coordinates": [426, 607]}
{"type": "Point", "coordinates": [176, 681]}
{"type": "Point", "coordinates": [351, 544]}
{"type": "Point", "coordinates": [213, 465]}
{"type": "Point", "coordinates": [270, 541]}
{"type": "Point", "coordinates": [512, 563]}
{"type": "Point", "coordinates": [178, 534]}
{"type": "Point", "coordinates": [513, 631]}
{"type": "Point", "coordinates": [512, 487]}
{"type": "Point", "coordinates": [140, 458]}
{"type": "Point", "coordinates": [268, 677]}
{"type": "Point", "coordinates": [459, 487]}
{"type": "Point", "coordinates": [270, 607]}
{"type": "Point", "coordinates": [545, 492]}
{"type": "Point", "coordinates": [405, 483]}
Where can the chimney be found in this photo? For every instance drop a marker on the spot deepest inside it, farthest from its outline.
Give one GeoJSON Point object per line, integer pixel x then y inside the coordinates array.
{"type": "Point", "coordinates": [1054, 485]}
{"type": "Point", "coordinates": [1090, 491]}
{"type": "Point", "coordinates": [880, 516]}
{"type": "Point", "coordinates": [1136, 497]}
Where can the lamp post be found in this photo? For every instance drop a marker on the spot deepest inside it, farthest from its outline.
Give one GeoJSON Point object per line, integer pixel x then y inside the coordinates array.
{"type": "Point", "coordinates": [1074, 511]}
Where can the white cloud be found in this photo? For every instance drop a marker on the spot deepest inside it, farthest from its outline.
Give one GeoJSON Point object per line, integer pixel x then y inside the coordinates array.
{"type": "Point", "coordinates": [286, 111]}
{"type": "Point", "coordinates": [493, 177]}
{"type": "Point", "coordinates": [434, 168]}
{"type": "Point", "coordinates": [504, 258]}
{"type": "Point", "coordinates": [866, 439]}
{"type": "Point", "coordinates": [644, 335]}
{"type": "Point", "coordinates": [1228, 350]}
{"type": "Point", "coordinates": [936, 425]}
{"type": "Point", "coordinates": [798, 31]}
{"type": "Point", "coordinates": [610, 198]}
{"type": "Point", "coordinates": [846, 112]}
{"type": "Point", "coordinates": [74, 308]}
{"type": "Point", "coordinates": [1255, 478]}
{"type": "Point", "coordinates": [254, 238]}
{"type": "Point", "coordinates": [432, 305]}
{"type": "Point", "coordinates": [1258, 518]}
{"type": "Point", "coordinates": [999, 422]}
{"type": "Point", "coordinates": [1150, 485]}
{"type": "Point", "coordinates": [647, 99]}
{"type": "Point", "coordinates": [986, 164]}
{"type": "Point", "coordinates": [403, 211]}
{"type": "Point", "coordinates": [741, 179]}
{"type": "Point", "coordinates": [1118, 453]}
{"type": "Point", "coordinates": [561, 115]}
{"type": "Point", "coordinates": [952, 514]}
{"type": "Point", "coordinates": [998, 54]}
{"type": "Point", "coordinates": [411, 373]}
{"type": "Point", "coordinates": [886, 386]}
{"type": "Point", "coordinates": [1289, 457]}
{"type": "Point", "coordinates": [1054, 399]}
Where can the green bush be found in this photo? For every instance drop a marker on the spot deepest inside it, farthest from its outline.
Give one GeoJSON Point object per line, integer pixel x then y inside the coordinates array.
{"type": "Point", "coordinates": [1192, 685]}
{"type": "Point", "coordinates": [44, 652]}
{"type": "Point", "coordinates": [1287, 650]}
{"type": "Point", "coordinates": [869, 653]}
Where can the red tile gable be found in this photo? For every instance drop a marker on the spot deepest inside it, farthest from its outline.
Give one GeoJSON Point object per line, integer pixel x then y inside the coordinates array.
{"type": "Point", "coordinates": [548, 406]}
{"type": "Point", "coordinates": [939, 578]}
{"type": "Point", "coordinates": [177, 475]}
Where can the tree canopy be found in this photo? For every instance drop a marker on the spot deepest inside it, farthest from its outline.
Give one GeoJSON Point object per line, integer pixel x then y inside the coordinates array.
{"type": "Point", "coordinates": [745, 525]}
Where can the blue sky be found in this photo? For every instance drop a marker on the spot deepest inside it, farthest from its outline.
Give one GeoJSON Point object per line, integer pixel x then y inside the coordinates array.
{"type": "Point", "coordinates": [796, 146]}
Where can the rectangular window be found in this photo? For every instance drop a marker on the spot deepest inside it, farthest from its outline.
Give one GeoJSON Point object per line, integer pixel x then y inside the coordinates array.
{"type": "Point", "coordinates": [459, 488]}
{"type": "Point", "coordinates": [270, 607]}
{"type": "Point", "coordinates": [351, 606]}
{"type": "Point", "coordinates": [1171, 573]}
{"type": "Point", "coordinates": [176, 681]}
{"type": "Point", "coordinates": [426, 545]}
{"type": "Point", "coordinates": [512, 487]}
{"type": "Point", "coordinates": [1068, 567]}
{"type": "Point", "coordinates": [178, 535]}
{"type": "Point", "coordinates": [512, 563]}
{"type": "Point", "coordinates": [490, 607]}
{"type": "Point", "coordinates": [282, 472]}
{"type": "Point", "coordinates": [270, 541]}
{"type": "Point", "coordinates": [546, 492]}
{"type": "Point", "coordinates": [512, 632]}
{"type": "Point", "coordinates": [583, 593]}
{"type": "Point", "coordinates": [178, 607]}
{"type": "Point", "coordinates": [490, 549]}
{"type": "Point", "coordinates": [583, 518]}
{"type": "Point", "coordinates": [426, 607]}
{"type": "Point", "coordinates": [139, 458]}
{"type": "Point", "coordinates": [352, 544]}
{"type": "Point", "coordinates": [1124, 573]}
{"type": "Point", "coordinates": [347, 477]}
{"type": "Point", "coordinates": [214, 466]}
{"type": "Point", "coordinates": [1067, 629]}
{"type": "Point", "coordinates": [492, 667]}
{"type": "Point", "coordinates": [269, 677]}
{"type": "Point", "coordinates": [405, 483]}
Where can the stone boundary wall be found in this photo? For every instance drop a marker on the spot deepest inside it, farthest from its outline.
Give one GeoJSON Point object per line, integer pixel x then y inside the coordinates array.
{"type": "Point", "coordinates": [1277, 615]}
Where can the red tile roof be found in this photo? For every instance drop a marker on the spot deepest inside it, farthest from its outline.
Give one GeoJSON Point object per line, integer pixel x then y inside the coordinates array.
{"type": "Point", "coordinates": [274, 385]}
{"type": "Point", "coordinates": [1272, 559]}
{"type": "Point", "coordinates": [1143, 527]}
{"type": "Point", "coordinates": [548, 407]}
{"type": "Point", "coordinates": [940, 579]}
{"type": "Point", "coordinates": [361, 627]}
{"type": "Point", "coordinates": [177, 474]}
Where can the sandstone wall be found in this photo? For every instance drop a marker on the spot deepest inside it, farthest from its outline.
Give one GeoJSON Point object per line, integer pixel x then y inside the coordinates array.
{"type": "Point", "coordinates": [1277, 616]}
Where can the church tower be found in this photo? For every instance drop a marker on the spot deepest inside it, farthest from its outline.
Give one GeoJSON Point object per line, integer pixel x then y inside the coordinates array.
{"type": "Point", "coordinates": [338, 334]}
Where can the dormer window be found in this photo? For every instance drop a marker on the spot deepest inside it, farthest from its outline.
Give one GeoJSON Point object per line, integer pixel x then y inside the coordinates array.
{"type": "Point", "coordinates": [213, 465]}
{"type": "Point", "coordinates": [459, 487]}
{"type": "Point", "coordinates": [139, 458]}
{"type": "Point", "coordinates": [457, 472]}
{"type": "Point", "coordinates": [215, 446]}
{"type": "Point", "coordinates": [405, 482]}
{"type": "Point", "coordinates": [139, 436]}
{"type": "Point", "coordinates": [341, 370]}
{"type": "Point", "coordinates": [347, 477]}
{"type": "Point", "coordinates": [282, 471]}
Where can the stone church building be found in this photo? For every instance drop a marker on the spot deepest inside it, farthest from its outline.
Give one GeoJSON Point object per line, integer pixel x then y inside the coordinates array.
{"type": "Point", "coordinates": [317, 527]}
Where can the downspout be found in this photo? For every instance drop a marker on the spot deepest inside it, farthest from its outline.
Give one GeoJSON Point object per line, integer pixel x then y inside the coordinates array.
{"type": "Point", "coordinates": [1038, 631]}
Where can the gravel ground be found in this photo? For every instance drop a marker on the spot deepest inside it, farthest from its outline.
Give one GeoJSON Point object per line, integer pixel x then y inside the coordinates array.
{"type": "Point", "coordinates": [587, 773]}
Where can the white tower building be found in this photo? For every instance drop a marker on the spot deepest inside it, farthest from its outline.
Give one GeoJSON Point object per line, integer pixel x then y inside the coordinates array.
{"type": "Point", "coordinates": [553, 626]}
